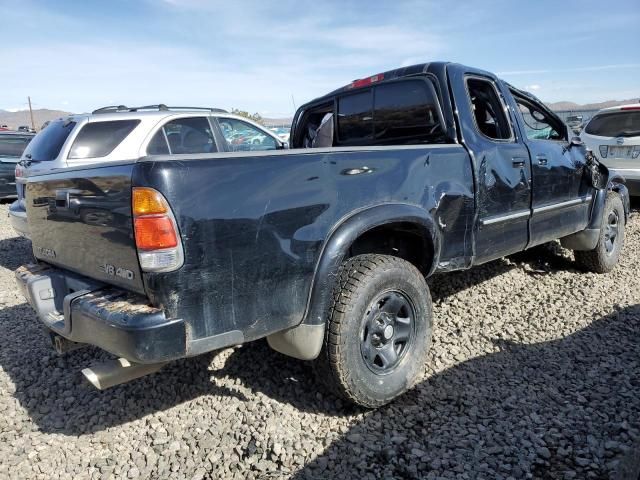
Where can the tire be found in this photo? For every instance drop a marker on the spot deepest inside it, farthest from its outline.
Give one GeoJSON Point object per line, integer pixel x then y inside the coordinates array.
{"type": "Point", "coordinates": [378, 331]}
{"type": "Point", "coordinates": [604, 257]}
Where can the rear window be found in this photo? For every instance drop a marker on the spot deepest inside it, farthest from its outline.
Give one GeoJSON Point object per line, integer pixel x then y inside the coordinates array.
{"type": "Point", "coordinates": [398, 112]}
{"type": "Point", "coordinates": [12, 146]}
{"type": "Point", "coordinates": [355, 117]}
{"type": "Point", "coordinates": [99, 139]}
{"type": "Point", "coordinates": [616, 124]}
{"type": "Point", "coordinates": [404, 110]}
{"type": "Point", "coordinates": [46, 145]}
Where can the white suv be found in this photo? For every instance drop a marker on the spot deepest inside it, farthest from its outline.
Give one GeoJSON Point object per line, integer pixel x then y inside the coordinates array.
{"type": "Point", "coordinates": [122, 133]}
{"type": "Point", "coordinates": [614, 136]}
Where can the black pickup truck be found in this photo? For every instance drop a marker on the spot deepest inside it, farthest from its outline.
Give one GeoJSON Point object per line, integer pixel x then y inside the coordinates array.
{"type": "Point", "coordinates": [323, 249]}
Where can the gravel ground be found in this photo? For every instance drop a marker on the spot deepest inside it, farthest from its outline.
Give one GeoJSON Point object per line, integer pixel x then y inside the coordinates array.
{"type": "Point", "coordinates": [534, 373]}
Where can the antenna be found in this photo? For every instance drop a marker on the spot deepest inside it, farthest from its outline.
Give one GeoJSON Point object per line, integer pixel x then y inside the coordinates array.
{"type": "Point", "coordinates": [294, 104]}
{"type": "Point", "coordinates": [33, 124]}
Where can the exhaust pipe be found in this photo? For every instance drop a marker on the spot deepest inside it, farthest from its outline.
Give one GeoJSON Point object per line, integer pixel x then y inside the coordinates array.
{"type": "Point", "coordinates": [114, 372]}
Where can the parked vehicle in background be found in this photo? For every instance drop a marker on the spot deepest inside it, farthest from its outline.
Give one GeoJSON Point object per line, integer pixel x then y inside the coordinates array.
{"type": "Point", "coordinates": [12, 144]}
{"type": "Point", "coordinates": [282, 132]}
{"type": "Point", "coordinates": [322, 250]}
{"type": "Point", "coordinates": [575, 122]}
{"type": "Point", "coordinates": [614, 136]}
{"type": "Point", "coordinates": [25, 128]}
{"type": "Point", "coordinates": [120, 133]}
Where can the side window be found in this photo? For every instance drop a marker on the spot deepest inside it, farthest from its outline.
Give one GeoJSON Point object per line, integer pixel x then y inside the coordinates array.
{"type": "Point", "coordinates": [183, 136]}
{"type": "Point", "coordinates": [99, 139]}
{"type": "Point", "coordinates": [488, 110]}
{"type": "Point", "coordinates": [242, 136]}
{"type": "Point", "coordinates": [355, 117]}
{"type": "Point", "coordinates": [401, 112]}
{"type": "Point", "coordinates": [405, 110]}
{"type": "Point", "coordinates": [538, 124]}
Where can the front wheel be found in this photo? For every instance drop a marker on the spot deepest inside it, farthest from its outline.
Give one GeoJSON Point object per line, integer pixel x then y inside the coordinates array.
{"type": "Point", "coordinates": [604, 257]}
{"type": "Point", "coordinates": [378, 331]}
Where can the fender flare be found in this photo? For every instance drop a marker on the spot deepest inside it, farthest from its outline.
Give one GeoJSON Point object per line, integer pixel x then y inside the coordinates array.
{"type": "Point", "coordinates": [587, 239]}
{"type": "Point", "coordinates": [617, 183]}
{"type": "Point", "coordinates": [305, 340]}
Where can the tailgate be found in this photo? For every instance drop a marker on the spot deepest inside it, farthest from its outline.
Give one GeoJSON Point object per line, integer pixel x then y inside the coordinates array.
{"type": "Point", "coordinates": [80, 219]}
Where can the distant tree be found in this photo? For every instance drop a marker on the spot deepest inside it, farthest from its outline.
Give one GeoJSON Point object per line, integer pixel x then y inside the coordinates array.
{"type": "Point", "coordinates": [256, 117]}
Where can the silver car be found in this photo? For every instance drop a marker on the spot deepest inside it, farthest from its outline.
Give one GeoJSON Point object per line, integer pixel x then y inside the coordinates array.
{"type": "Point", "coordinates": [121, 133]}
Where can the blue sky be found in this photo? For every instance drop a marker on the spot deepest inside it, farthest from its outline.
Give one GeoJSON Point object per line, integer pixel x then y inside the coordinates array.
{"type": "Point", "coordinates": [262, 56]}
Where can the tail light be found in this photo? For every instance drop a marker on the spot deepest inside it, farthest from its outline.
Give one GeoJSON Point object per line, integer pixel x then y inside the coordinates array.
{"type": "Point", "coordinates": [156, 233]}
{"type": "Point", "coordinates": [19, 171]}
{"type": "Point", "coordinates": [604, 150]}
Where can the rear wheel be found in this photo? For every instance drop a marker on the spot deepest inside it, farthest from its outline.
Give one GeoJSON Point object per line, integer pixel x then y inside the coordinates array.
{"type": "Point", "coordinates": [604, 257]}
{"type": "Point", "coordinates": [378, 332]}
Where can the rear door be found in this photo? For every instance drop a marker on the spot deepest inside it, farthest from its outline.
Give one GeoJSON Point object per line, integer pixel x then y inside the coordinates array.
{"type": "Point", "coordinates": [501, 162]}
{"type": "Point", "coordinates": [562, 193]}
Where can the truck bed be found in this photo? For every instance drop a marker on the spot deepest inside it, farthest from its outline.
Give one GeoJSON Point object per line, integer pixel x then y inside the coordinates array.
{"type": "Point", "coordinates": [252, 225]}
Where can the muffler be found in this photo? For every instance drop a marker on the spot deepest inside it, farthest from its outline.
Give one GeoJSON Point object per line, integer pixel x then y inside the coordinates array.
{"type": "Point", "coordinates": [114, 372]}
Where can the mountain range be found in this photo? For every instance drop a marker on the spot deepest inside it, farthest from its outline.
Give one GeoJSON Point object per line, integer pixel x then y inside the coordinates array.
{"type": "Point", "coordinates": [21, 117]}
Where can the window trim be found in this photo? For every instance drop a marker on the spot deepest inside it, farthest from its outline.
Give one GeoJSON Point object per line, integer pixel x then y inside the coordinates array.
{"type": "Point", "coordinates": [427, 78]}
{"type": "Point", "coordinates": [501, 99]}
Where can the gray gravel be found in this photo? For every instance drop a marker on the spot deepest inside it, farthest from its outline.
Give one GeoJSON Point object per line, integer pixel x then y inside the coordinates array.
{"type": "Point", "coordinates": [534, 373]}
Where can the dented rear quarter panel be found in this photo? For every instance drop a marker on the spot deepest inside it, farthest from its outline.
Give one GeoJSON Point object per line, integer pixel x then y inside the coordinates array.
{"type": "Point", "coordinates": [253, 226]}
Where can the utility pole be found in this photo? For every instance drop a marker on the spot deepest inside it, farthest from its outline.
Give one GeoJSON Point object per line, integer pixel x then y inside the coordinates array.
{"type": "Point", "coordinates": [33, 124]}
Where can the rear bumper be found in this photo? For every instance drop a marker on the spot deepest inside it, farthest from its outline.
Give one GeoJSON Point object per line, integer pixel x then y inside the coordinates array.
{"type": "Point", "coordinates": [86, 311]}
{"type": "Point", "coordinates": [18, 219]}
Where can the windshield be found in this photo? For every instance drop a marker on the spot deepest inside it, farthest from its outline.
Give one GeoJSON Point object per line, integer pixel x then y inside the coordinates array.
{"type": "Point", "coordinates": [616, 124]}
{"type": "Point", "coordinates": [47, 144]}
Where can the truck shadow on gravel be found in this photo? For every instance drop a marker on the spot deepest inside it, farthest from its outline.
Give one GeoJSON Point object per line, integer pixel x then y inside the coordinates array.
{"type": "Point", "coordinates": [58, 399]}
{"type": "Point", "coordinates": [15, 251]}
{"type": "Point", "coordinates": [565, 405]}
{"type": "Point", "coordinates": [546, 409]}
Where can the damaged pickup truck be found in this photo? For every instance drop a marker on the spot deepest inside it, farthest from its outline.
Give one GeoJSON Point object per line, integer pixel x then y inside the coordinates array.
{"type": "Point", "coordinates": [322, 249]}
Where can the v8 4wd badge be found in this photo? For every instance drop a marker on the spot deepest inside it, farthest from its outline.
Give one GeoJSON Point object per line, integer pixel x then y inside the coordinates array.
{"type": "Point", "coordinates": [114, 271]}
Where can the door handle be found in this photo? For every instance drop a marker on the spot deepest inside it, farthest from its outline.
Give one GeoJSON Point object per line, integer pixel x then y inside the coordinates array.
{"type": "Point", "coordinates": [542, 160]}
{"type": "Point", "coordinates": [518, 162]}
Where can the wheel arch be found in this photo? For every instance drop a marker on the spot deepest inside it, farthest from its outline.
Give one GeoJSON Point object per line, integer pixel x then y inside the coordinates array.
{"type": "Point", "coordinates": [360, 229]}
{"type": "Point", "coordinates": [617, 183]}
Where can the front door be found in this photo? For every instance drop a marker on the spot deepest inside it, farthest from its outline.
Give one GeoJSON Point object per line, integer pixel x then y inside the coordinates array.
{"type": "Point", "coordinates": [562, 194]}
